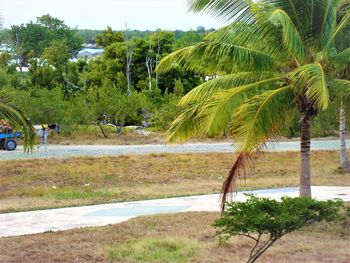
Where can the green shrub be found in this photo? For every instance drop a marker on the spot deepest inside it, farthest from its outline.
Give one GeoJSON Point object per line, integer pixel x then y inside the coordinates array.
{"type": "Point", "coordinates": [265, 221]}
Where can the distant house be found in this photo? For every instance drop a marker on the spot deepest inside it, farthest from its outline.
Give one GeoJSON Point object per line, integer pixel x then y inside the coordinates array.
{"type": "Point", "coordinates": [89, 53]}
{"type": "Point", "coordinates": [90, 44]}
{"type": "Point", "coordinates": [5, 48]}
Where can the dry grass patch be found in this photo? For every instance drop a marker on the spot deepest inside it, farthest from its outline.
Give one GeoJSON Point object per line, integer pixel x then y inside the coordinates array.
{"type": "Point", "coordinates": [320, 243]}
{"type": "Point", "coordinates": [35, 184]}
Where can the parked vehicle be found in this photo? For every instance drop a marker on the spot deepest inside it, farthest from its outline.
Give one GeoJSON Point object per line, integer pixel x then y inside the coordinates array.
{"type": "Point", "coordinates": [8, 140]}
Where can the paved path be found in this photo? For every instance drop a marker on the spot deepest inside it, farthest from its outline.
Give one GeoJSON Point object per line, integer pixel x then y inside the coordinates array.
{"type": "Point", "coordinates": [15, 224]}
{"type": "Point", "coordinates": [65, 151]}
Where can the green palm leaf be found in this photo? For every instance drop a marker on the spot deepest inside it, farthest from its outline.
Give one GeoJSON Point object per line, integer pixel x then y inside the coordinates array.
{"type": "Point", "coordinates": [259, 119]}
{"type": "Point", "coordinates": [184, 126]}
{"type": "Point", "coordinates": [216, 114]}
{"type": "Point", "coordinates": [207, 89]}
{"type": "Point", "coordinates": [13, 115]}
{"type": "Point", "coordinates": [341, 88]}
{"type": "Point", "coordinates": [311, 80]}
{"type": "Point", "coordinates": [263, 117]}
{"type": "Point", "coordinates": [329, 22]}
{"type": "Point", "coordinates": [189, 58]}
{"type": "Point", "coordinates": [291, 37]}
{"type": "Point", "coordinates": [264, 38]}
{"type": "Point", "coordinates": [342, 59]}
{"type": "Point", "coordinates": [223, 9]}
{"type": "Point", "coordinates": [343, 24]}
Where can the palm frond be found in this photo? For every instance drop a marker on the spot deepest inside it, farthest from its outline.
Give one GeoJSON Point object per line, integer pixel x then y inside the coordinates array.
{"type": "Point", "coordinates": [311, 80]}
{"type": "Point", "coordinates": [343, 24]}
{"type": "Point", "coordinates": [328, 22]}
{"type": "Point", "coordinates": [259, 119]}
{"type": "Point", "coordinates": [242, 166]}
{"type": "Point", "coordinates": [263, 117]}
{"type": "Point", "coordinates": [223, 9]}
{"type": "Point", "coordinates": [342, 59]}
{"type": "Point", "coordinates": [207, 89]}
{"type": "Point", "coordinates": [17, 119]}
{"type": "Point", "coordinates": [190, 57]}
{"type": "Point", "coordinates": [262, 36]}
{"type": "Point", "coordinates": [217, 112]}
{"type": "Point", "coordinates": [300, 12]}
{"type": "Point", "coordinates": [184, 126]}
{"type": "Point", "coordinates": [291, 37]}
{"type": "Point", "coordinates": [341, 88]}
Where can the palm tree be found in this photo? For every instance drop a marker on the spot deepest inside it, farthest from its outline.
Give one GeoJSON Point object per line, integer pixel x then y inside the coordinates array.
{"type": "Point", "coordinates": [276, 62]}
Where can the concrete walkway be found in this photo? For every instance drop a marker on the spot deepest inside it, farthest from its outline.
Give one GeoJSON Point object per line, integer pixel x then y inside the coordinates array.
{"type": "Point", "coordinates": [15, 224]}
{"type": "Point", "coordinates": [66, 151]}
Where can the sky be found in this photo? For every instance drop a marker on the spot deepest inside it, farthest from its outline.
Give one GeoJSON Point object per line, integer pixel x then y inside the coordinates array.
{"type": "Point", "coordinates": [97, 14]}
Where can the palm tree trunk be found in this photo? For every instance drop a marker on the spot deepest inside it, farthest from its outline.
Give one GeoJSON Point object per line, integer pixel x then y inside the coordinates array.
{"type": "Point", "coordinates": [344, 159]}
{"type": "Point", "coordinates": [305, 150]}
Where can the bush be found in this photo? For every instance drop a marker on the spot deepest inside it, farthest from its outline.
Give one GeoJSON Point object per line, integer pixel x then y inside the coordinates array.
{"type": "Point", "coordinates": [265, 221]}
{"type": "Point", "coordinates": [167, 111]}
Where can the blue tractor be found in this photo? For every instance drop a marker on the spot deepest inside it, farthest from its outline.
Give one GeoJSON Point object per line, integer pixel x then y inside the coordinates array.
{"type": "Point", "coordinates": [8, 141]}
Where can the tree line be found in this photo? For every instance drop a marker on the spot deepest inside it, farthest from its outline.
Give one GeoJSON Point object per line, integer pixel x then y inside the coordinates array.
{"type": "Point", "coordinates": [121, 83]}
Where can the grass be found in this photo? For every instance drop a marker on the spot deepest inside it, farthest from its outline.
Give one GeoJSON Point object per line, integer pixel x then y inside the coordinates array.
{"type": "Point", "coordinates": [38, 184]}
{"type": "Point", "coordinates": [193, 237]}
{"type": "Point", "coordinates": [155, 250]}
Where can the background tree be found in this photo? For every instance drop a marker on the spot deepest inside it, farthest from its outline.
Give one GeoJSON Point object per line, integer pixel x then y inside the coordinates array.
{"type": "Point", "coordinates": [109, 37]}
{"type": "Point", "coordinates": [189, 38]}
{"type": "Point", "coordinates": [31, 39]}
{"type": "Point", "coordinates": [162, 43]}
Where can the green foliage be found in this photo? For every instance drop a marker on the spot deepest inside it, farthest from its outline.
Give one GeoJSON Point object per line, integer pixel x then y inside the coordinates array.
{"type": "Point", "coordinates": [165, 40]}
{"type": "Point", "coordinates": [165, 250]}
{"type": "Point", "coordinates": [31, 39]}
{"type": "Point", "coordinates": [4, 79]}
{"type": "Point", "coordinates": [4, 59]}
{"type": "Point", "coordinates": [164, 108]}
{"type": "Point", "coordinates": [44, 76]}
{"type": "Point", "coordinates": [109, 37]}
{"type": "Point", "coordinates": [265, 221]}
{"type": "Point", "coordinates": [128, 109]}
{"type": "Point", "coordinates": [57, 53]}
{"type": "Point", "coordinates": [189, 38]}
{"type": "Point", "coordinates": [49, 106]}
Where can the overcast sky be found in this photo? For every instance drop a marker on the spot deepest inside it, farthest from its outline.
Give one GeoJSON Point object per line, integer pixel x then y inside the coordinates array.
{"type": "Point", "coordinates": [89, 14]}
